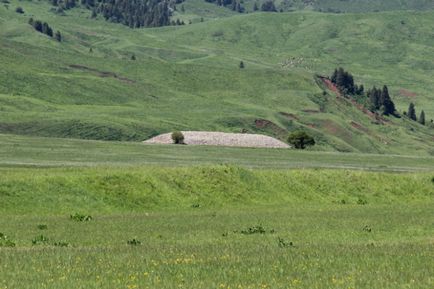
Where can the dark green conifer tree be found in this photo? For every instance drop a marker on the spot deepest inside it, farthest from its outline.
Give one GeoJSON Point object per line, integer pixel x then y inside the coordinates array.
{"type": "Point", "coordinates": [422, 118]}
{"type": "Point", "coordinates": [412, 112]}
{"type": "Point", "coordinates": [58, 36]}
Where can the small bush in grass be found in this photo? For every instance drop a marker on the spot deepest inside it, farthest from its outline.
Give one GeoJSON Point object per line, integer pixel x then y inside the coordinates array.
{"type": "Point", "coordinates": [134, 242]}
{"type": "Point", "coordinates": [61, 244]}
{"type": "Point", "coordinates": [5, 241]}
{"type": "Point", "coordinates": [284, 244]}
{"type": "Point", "coordinates": [361, 201]}
{"type": "Point", "coordinates": [258, 229]}
{"type": "Point", "coordinates": [80, 217]}
{"type": "Point", "coordinates": [19, 10]}
{"type": "Point", "coordinates": [42, 227]}
{"type": "Point", "coordinates": [40, 240]}
{"type": "Point", "coordinates": [178, 137]}
{"type": "Point", "coordinates": [367, 229]}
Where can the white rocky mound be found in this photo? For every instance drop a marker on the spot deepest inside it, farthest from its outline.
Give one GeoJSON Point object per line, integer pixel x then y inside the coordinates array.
{"type": "Point", "coordinates": [221, 139]}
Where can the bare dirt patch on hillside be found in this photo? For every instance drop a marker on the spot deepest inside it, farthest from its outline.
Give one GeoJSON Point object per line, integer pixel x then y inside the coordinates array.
{"type": "Point", "coordinates": [407, 93]}
{"type": "Point", "coordinates": [100, 73]}
{"type": "Point", "coordinates": [221, 139]}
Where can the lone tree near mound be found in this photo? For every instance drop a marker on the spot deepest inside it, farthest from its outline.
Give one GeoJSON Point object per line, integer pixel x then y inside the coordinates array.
{"type": "Point", "coordinates": [178, 137]}
{"type": "Point", "coordinates": [301, 140]}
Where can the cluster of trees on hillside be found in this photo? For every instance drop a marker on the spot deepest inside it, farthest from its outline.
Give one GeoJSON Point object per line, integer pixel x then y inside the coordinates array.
{"type": "Point", "coordinates": [375, 99]}
{"type": "Point", "coordinates": [237, 5]}
{"type": "Point", "coordinates": [267, 6]}
{"type": "Point", "coordinates": [133, 13]}
{"type": "Point", "coordinates": [64, 4]}
{"type": "Point", "coordinates": [378, 100]}
{"type": "Point", "coordinates": [44, 28]}
{"type": "Point", "coordinates": [344, 81]}
{"type": "Point", "coordinates": [234, 5]}
{"type": "Point", "coordinates": [411, 113]}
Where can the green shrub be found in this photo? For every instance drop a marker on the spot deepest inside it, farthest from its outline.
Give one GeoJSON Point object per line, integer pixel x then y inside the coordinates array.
{"type": "Point", "coordinates": [61, 244]}
{"type": "Point", "coordinates": [5, 241]}
{"type": "Point", "coordinates": [80, 217]}
{"type": "Point", "coordinates": [42, 227]}
{"type": "Point", "coordinates": [40, 240]}
{"type": "Point", "coordinates": [300, 140]}
{"type": "Point", "coordinates": [134, 242]}
{"type": "Point", "coordinates": [178, 137]}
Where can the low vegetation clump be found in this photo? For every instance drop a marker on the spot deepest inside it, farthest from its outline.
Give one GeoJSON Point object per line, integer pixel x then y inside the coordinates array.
{"type": "Point", "coordinates": [258, 229]}
{"type": "Point", "coordinates": [5, 241]}
{"type": "Point", "coordinates": [40, 240]}
{"type": "Point", "coordinates": [61, 244]}
{"type": "Point", "coordinates": [81, 217]}
{"type": "Point", "coordinates": [42, 227]}
{"type": "Point", "coordinates": [134, 242]}
{"type": "Point", "coordinates": [301, 140]}
{"type": "Point", "coordinates": [283, 243]}
{"type": "Point", "coordinates": [178, 137]}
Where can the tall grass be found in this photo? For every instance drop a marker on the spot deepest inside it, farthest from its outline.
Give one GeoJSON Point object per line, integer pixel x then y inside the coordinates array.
{"type": "Point", "coordinates": [60, 191]}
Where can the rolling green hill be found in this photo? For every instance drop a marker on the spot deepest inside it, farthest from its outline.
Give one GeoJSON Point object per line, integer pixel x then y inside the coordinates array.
{"type": "Point", "coordinates": [344, 6]}
{"type": "Point", "coordinates": [188, 77]}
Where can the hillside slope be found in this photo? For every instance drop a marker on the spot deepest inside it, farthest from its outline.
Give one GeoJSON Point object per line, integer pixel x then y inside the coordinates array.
{"type": "Point", "coordinates": [194, 10]}
{"type": "Point", "coordinates": [189, 77]}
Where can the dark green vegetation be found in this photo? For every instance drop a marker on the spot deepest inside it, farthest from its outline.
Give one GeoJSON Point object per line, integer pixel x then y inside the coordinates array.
{"type": "Point", "coordinates": [132, 13]}
{"type": "Point", "coordinates": [376, 100]}
{"type": "Point", "coordinates": [301, 140]}
{"type": "Point", "coordinates": [188, 77]}
{"type": "Point", "coordinates": [177, 137]}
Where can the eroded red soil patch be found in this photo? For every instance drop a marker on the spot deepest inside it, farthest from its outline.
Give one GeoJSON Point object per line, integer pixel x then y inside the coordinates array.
{"type": "Point", "coordinates": [102, 73]}
{"type": "Point", "coordinates": [407, 93]}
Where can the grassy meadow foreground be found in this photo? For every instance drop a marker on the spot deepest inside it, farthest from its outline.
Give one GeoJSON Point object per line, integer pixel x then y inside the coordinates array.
{"type": "Point", "coordinates": [304, 246]}
{"type": "Point", "coordinates": [204, 224]}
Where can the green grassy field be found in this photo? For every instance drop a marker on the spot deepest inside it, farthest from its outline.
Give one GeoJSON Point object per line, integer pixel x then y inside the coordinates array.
{"type": "Point", "coordinates": [332, 247]}
{"type": "Point", "coordinates": [177, 217]}
{"type": "Point", "coordinates": [24, 151]}
{"type": "Point", "coordinates": [215, 227]}
{"type": "Point", "coordinates": [188, 77]}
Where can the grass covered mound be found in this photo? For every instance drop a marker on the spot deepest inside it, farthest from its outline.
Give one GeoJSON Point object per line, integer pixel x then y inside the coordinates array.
{"type": "Point", "coordinates": [111, 190]}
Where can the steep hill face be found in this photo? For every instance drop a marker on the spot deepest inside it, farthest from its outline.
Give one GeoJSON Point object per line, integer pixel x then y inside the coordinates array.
{"type": "Point", "coordinates": [107, 81]}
